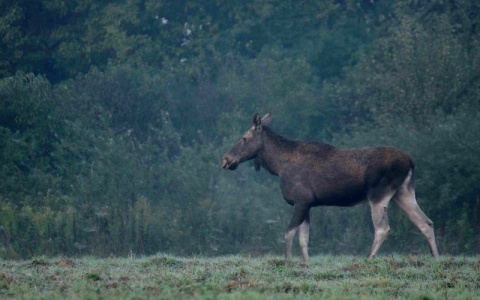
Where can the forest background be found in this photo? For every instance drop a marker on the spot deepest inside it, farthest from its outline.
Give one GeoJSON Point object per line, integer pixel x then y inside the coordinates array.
{"type": "Point", "coordinates": [114, 116]}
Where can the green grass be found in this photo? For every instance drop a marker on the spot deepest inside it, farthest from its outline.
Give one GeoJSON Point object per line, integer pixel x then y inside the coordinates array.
{"type": "Point", "coordinates": [238, 277]}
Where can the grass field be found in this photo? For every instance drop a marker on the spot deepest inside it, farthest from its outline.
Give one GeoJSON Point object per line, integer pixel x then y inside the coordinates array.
{"type": "Point", "coordinates": [238, 277]}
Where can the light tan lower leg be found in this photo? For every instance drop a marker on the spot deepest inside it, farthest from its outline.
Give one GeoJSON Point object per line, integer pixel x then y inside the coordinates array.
{"type": "Point", "coordinates": [405, 198]}
{"type": "Point", "coordinates": [380, 223]}
{"type": "Point", "coordinates": [408, 204]}
{"type": "Point", "coordinates": [303, 236]}
{"type": "Point", "coordinates": [289, 235]}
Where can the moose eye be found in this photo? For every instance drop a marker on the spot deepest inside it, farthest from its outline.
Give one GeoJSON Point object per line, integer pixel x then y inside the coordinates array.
{"type": "Point", "coordinates": [244, 139]}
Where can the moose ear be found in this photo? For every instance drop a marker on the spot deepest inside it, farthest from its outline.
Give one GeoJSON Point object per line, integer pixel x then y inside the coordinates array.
{"type": "Point", "coordinates": [257, 121]}
{"type": "Point", "coordinates": [267, 119]}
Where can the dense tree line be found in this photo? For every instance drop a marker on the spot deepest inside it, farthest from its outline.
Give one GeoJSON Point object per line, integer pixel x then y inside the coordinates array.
{"type": "Point", "coordinates": [114, 116]}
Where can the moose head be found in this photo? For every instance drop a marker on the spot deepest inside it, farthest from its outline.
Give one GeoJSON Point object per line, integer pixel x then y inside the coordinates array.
{"type": "Point", "coordinates": [249, 145]}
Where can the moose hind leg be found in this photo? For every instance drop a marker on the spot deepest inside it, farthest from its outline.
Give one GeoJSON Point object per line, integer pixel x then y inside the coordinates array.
{"type": "Point", "coordinates": [380, 222]}
{"type": "Point", "coordinates": [300, 213]}
{"type": "Point", "coordinates": [407, 202]}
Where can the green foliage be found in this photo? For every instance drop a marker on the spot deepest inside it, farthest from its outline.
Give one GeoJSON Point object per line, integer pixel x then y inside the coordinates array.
{"type": "Point", "coordinates": [114, 116]}
{"type": "Point", "coordinates": [255, 86]}
{"type": "Point", "coordinates": [408, 75]}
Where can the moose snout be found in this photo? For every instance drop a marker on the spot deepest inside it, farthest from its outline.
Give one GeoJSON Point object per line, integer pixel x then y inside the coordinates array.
{"type": "Point", "coordinates": [228, 162]}
{"type": "Point", "coordinates": [225, 162]}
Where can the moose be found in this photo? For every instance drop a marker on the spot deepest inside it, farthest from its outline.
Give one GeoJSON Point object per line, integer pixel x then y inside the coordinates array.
{"type": "Point", "coordinates": [318, 174]}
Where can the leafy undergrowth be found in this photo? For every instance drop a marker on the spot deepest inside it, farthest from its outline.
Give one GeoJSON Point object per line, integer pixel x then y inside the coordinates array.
{"type": "Point", "coordinates": [238, 277]}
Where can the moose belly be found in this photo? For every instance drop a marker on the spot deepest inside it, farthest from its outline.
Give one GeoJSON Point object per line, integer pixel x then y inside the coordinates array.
{"type": "Point", "coordinates": [346, 196]}
{"type": "Point", "coordinates": [344, 191]}
{"type": "Point", "coordinates": [322, 190]}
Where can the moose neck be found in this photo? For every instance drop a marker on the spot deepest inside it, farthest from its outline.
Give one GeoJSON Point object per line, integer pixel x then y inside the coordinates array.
{"type": "Point", "coordinates": [276, 151]}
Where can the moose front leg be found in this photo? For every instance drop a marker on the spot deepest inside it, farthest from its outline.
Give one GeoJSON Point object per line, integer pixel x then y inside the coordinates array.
{"type": "Point", "coordinates": [300, 219]}
{"type": "Point", "coordinates": [303, 236]}
{"type": "Point", "coordinates": [289, 235]}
